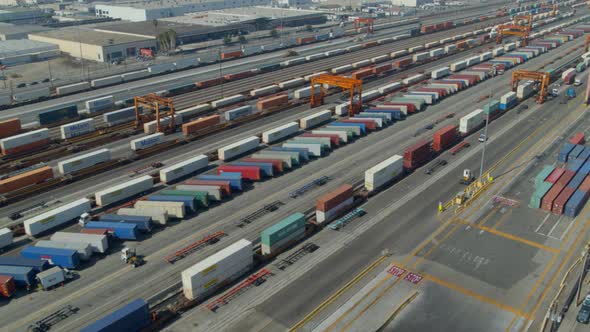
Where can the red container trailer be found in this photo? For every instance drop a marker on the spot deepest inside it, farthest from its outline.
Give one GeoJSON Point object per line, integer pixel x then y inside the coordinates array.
{"type": "Point", "coordinates": [27, 147]}
{"type": "Point", "coordinates": [7, 286]}
{"type": "Point", "coordinates": [237, 76]}
{"type": "Point", "coordinates": [369, 124]}
{"type": "Point", "coordinates": [305, 40]}
{"type": "Point", "coordinates": [230, 55]}
{"type": "Point", "coordinates": [224, 185]}
{"type": "Point", "coordinates": [266, 103]}
{"type": "Point", "coordinates": [403, 63]}
{"type": "Point", "coordinates": [441, 92]}
{"type": "Point", "coordinates": [277, 164]}
{"type": "Point", "coordinates": [331, 200]}
{"type": "Point", "coordinates": [427, 29]}
{"type": "Point", "coordinates": [550, 196]}
{"type": "Point", "coordinates": [208, 83]}
{"type": "Point", "coordinates": [473, 79]}
{"type": "Point", "coordinates": [251, 173]}
{"type": "Point", "coordinates": [363, 73]}
{"type": "Point", "coordinates": [409, 106]}
{"type": "Point", "coordinates": [9, 127]}
{"type": "Point", "coordinates": [417, 155]}
{"type": "Point", "coordinates": [382, 68]}
{"type": "Point", "coordinates": [96, 231]}
{"type": "Point", "coordinates": [334, 139]}
{"type": "Point", "coordinates": [444, 138]}
{"type": "Point", "coordinates": [555, 175]}
{"type": "Point", "coordinates": [200, 124]}
{"type": "Point", "coordinates": [561, 200]}
{"type": "Point", "coordinates": [578, 138]}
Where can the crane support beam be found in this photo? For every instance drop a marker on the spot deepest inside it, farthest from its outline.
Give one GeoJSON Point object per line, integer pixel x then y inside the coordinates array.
{"type": "Point", "coordinates": [369, 22]}
{"type": "Point", "coordinates": [159, 105]}
{"type": "Point", "coordinates": [543, 78]}
{"type": "Point", "coordinates": [350, 84]}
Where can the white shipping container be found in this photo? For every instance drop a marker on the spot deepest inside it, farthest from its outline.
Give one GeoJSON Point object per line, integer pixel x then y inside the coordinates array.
{"type": "Point", "coordinates": [472, 61]}
{"type": "Point", "coordinates": [238, 112]}
{"type": "Point", "coordinates": [413, 79]}
{"type": "Point", "coordinates": [5, 100]}
{"type": "Point", "coordinates": [315, 119]}
{"type": "Point", "coordinates": [83, 249]}
{"type": "Point", "coordinates": [441, 72]}
{"type": "Point", "coordinates": [353, 48]}
{"type": "Point", "coordinates": [51, 277]}
{"type": "Point", "coordinates": [173, 209]}
{"type": "Point", "coordinates": [508, 97]}
{"type": "Point", "coordinates": [306, 92]}
{"type": "Point", "coordinates": [362, 63]}
{"type": "Point", "coordinates": [158, 217]}
{"type": "Point", "coordinates": [292, 83]}
{"type": "Point", "coordinates": [485, 56]}
{"type": "Point", "coordinates": [84, 161]}
{"type": "Point", "coordinates": [315, 149]}
{"type": "Point", "coordinates": [341, 69]}
{"type": "Point", "coordinates": [264, 91]}
{"type": "Point", "coordinates": [389, 87]}
{"type": "Point", "coordinates": [238, 148]}
{"type": "Point", "coordinates": [121, 116]}
{"type": "Point", "coordinates": [509, 47]}
{"type": "Point", "coordinates": [384, 172]}
{"type": "Point", "coordinates": [208, 57]}
{"type": "Point", "coordinates": [99, 104]}
{"type": "Point", "coordinates": [150, 127]}
{"type": "Point", "coordinates": [270, 47]}
{"type": "Point", "coordinates": [161, 68]}
{"type": "Point", "coordinates": [123, 190]}
{"type": "Point", "coordinates": [213, 192]}
{"type": "Point", "coordinates": [187, 113]}
{"type": "Point", "coordinates": [431, 44]}
{"type": "Point", "coordinates": [458, 65]}
{"type": "Point", "coordinates": [427, 97]}
{"type": "Point", "coordinates": [285, 157]}
{"type": "Point", "coordinates": [342, 135]}
{"type": "Point", "coordinates": [183, 168]}
{"type": "Point", "coordinates": [437, 52]}
{"type": "Point", "coordinates": [98, 243]}
{"type": "Point", "coordinates": [293, 62]}
{"type": "Point", "coordinates": [134, 75]}
{"type": "Point", "coordinates": [218, 269]}
{"type": "Point", "coordinates": [185, 63]}
{"type": "Point", "coordinates": [380, 58]}
{"type": "Point", "coordinates": [313, 57]}
{"type": "Point", "coordinates": [228, 101]}
{"type": "Point", "coordinates": [100, 82]}
{"type": "Point", "coordinates": [524, 90]}
{"type": "Point", "coordinates": [450, 48]}
{"type": "Point", "coordinates": [335, 52]}
{"type": "Point", "coordinates": [471, 121]}
{"type": "Point", "coordinates": [71, 88]}
{"type": "Point", "coordinates": [498, 51]}
{"type": "Point", "coordinates": [249, 50]}
{"type": "Point", "coordinates": [147, 141]}
{"type": "Point", "coordinates": [56, 217]}
{"type": "Point", "coordinates": [25, 138]}
{"type": "Point", "coordinates": [398, 54]}
{"type": "Point", "coordinates": [77, 128]}
{"type": "Point", "coordinates": [31, 95]}
{"type": "Point", "coordinates": [415, 48]}
{"type": "Point", "coordinates": [5, 237]}
{"type": "Point", "coordinates": [310, 76]}
{"type": "Point", "coordinates": [342, 109]}
{"type": "Point", "coordinates": [279, 133]}
{"type": "Point", "coordinates": [420, 56]}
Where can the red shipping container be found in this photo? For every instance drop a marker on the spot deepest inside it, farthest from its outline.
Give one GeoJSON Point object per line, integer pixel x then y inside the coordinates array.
{"type": "Point", "coordinates": [370, 44]}
{"type": "Point", "coordinates": [251, 173]}
{"type": "Point", "coordinates": [417, 154]}
{"type": "Point", "coordinates": [444, 138]}
{"type": "Point", "coordinates": [238, 76]}
{"type": "Point", "coordinates": [403, 63]}
{"type": "Point", "coordinates": [7, 287]}
{"type": "Point", "coordinates": [332, 199]}
{"type": "Point", "coordinates": [335, 139]}
{"type": "Point", "coordinates": [199, 124]}
{"type": "Point", "coordinates": [229, 55]}
{"type": "Point", "coordinates": [461, 44]}
{"type": "Point", "coordinates": [26, 179]}
{"type": "Point", "coordinates": [208, 83]}
{"type": "Point", "coordinates": [363, 73]}
{"type": "Point", "coordinates": [409, 106]}
{"type": "Point", "coordinates": [566, 177]}
{"type": "Point", "coordinates": [471, 78]}
{"type": "Point", "coordinates": [449, 24]}
{"type": "Point", "coordinates": [578, 139]}
{"type": "Point", "coordinates": [9, 127]}
{"type": "Point", "coordinates": [277, 164]}
{"type": "Point", "coordinates": [305, 40]}
{"type": "Point", "coordinates": [27, 147]}
{"type": "Point", "coordinates": [97, 231]}
{"type": "Point", "coordinates": [561, 200]}
{"type": "Point", "coordinates": [550, 196]}
{"type": "Point", "coordinates": [369, 124]}
{"type": "Point", "coordinates": [382, 68]}
{"type": "Point", "coordinates": [266, 103]}
{"type": "Point", "coordinates": [224, 185]}
{"type": "Point", "coordinates": [459, 85]}
{"type": "Point", "coordinates": [441, 92]}
{"type": "Point", "coordinates": [555, 175]}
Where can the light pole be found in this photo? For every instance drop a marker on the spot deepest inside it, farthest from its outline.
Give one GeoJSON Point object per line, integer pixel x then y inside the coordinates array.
{"type": "Point", "coordinates": [220, 73]}
{"type": "Point", "coordinates": [485, 134]}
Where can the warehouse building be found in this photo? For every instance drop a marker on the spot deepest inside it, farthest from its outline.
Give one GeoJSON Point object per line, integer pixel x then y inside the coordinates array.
{"type": "Point", "coordinates": [12, 32]}
{"type": "Point", "coordinates": [410, 3]}
{"type": "Point", "coordinates": [14, 52]}
{"type": "Point", "coordinates": [24, 15]}
{"type": "Point", "coordinates": [273, 17]}
{"type": "Point", "coordinates": [137, 11]}
{"type": "Point", "coordinates": [94, 45]}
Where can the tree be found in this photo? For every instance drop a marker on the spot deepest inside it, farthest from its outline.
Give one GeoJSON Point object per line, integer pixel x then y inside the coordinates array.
{"type": "Point", "coordinates": [274, 33]}
{"type": "Point", "coordinates": [227, 40]}
{"type": "Point", "coordinates": [242, 39]}
{"type": "Point", "coordinates": [309, 27]}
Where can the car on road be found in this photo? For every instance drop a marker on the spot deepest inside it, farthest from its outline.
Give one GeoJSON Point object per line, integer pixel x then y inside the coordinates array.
{"type": "Point", "coordinates": [21, 85]}
{"type": "Point", "coordinates": [482, 138]}
{"type": "Point", "coordinates": [584, 313]}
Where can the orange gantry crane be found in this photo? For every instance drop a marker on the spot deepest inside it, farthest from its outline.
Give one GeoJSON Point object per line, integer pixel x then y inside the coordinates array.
{"type": "Point", "coordinates": [542, 78]}
{"type": "Point", "coordinates": [368, 21]}
{"type": "Point", "coordinates": [521, 26]}
{"type": "Point", "coordinates": [350, 84]}
{"type": "Point", "coordinates": [161, 106]}
{"type": "Point", "coordinates": [586, 43]}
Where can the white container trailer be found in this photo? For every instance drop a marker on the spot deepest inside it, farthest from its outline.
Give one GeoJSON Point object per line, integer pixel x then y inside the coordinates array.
{"type": "Point", "coordinates": [84, 161]}
{"type": "Point", "coordinates": [437, 52]}
{"type": "Point", "coordinates": [509, 47]}
{"type": "Point", "coordinates": [98, 243]}
{"type": "Point", "coordinates": [99, 104]}
{"type": "Point", "coordinates": [5, 237]}
{"type": "Point", "coordinates": [315, 149]}
{"type": "Point", "coordinates": [217, 270]}
{"type": "Point", "coordinates": [270, 47]}
{"type": "Point", "coordinates": [147, 141]}
{"type": "Point", "coordinates": [56, 217]}
{"type": "Point", "coordinates": [380, 58]}
{"type": "Point", "coordinates": [83, 249]}
{"type": "Point", "coordinates": [238, 112]}
{"type": "Point", "coordinates": [415, 49]}
{"type": "Point", "coordinates": [100, 82]}
{"type": "Point", "coordinates": [371, 94]}
{"type": "Point", "coordinates": [279, 133]}
{"type": "Point", "coordinates": [313, 57]}
{"type": "Point", "coordinates": [238, 148]}
{"type": "Point", "coordinates": [210, 57]}
{"type": "Point", "coordinates": [292, 83]}
{"type": "Point", "coordinates": [471, 121]}
{"type": "Point", "coordinates": [389, 87]}
{"type": "Point", "coordinates": [567, 72]}
{"type": "Point", "coordinates": [292, 62]}
{"type": "Point", "coordinates": [432, 44]}
{"type": "Point", "coordinates": [51, 277]}
{"type": "Point", "coordinates": [31, 95]}
{"type": "Point", "coordinates": [362, 63]}
{"type": "Point", "coordinates": [187, 113]}
{"type": "Point", "coordinates": [183, 168]}
{"type": "Point", "coordinates": [316, 119]}
{"type": "Point", "coordinates": [150, 127]}
{"type": "Point", "coordinates": [485, 56]}
{"type": "Point", "coordinates": [413, 79]}
{"type": "Point", "coordinates": [335, 52]}
{"type": "Point", "coordinates": [472, 61]}
{"type": "Point", "coordinates": [186, 63]}
{"type": "Point", "coordinates": [450, 48]}
{"type": "Point", "coordinates": [341, 134]}
{"type": "Point", "coordinates": [264, 91]}
{"type": "Point", "coordinates": [228, 101]}
{"type": "Point", "coordinates": [135, 75]}
{"type": "Point", "coordinates": [121, 116]}
{"type": "Point", "coordinates": [71, 88]}
{"type": "Point", "coordinates": [384, 172]}
{"type": "Point", "coordinates": [441, 72]}
{"type": "Point", "coordinates": [420, 56]}
{"type": "Point", "coordinates": [158, 217]}
{"type": "Point", "coordinates": [398, 54]}
{"type": "Point", "coordinates": [161, 68]}
{"type": "Point", "coordinates": [508, 97]}
{"type": "Point", "coordinates": [456, 66]}
{"type": "Point", "coordinates": [498, 51]}
{"type": "Point", "coordinates": [524, 90]}
{"type": "Point", "coordinates": [353, 48]}
{"type": "Point", "coordinates": [308, 78]}
{"type": "Point", "coordinates": [77, 128]}
{"type": "Point", "coordinates": [123, 190]}
{"type": "Point", "coordinates": [342, 109]}
{"type": "Point", "coordinates": [341, 69]}
{"type": "Point", "coordinates": [213, 192]}
{"type": "Point", "coordinates": [306, 92]}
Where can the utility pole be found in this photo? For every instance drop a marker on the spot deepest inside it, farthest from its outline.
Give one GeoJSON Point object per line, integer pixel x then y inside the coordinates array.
{"type": "Point", "coordinates": [50, 77]}
{"type": "Point", "coordinates": [485, 133]}
{"type": "Point", "coordinates": [220, 73]}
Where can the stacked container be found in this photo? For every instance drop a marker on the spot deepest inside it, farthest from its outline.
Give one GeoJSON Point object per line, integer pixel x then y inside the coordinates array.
{"type": "Point", "coordinates": [283, 233]}
{"type": "Point", "coordinates": [330, 205]}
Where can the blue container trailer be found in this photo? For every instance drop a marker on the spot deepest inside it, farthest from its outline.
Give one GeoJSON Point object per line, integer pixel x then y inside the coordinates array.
{"type": "Point", "coordinates": [396, 114]}
{"type": "Point", "coordinates": [144, 223]}
{"type": "Point", "coordinates": [118, 230]}
{"type": "Point", "coordinates": [575, 204]}
{"type": "Point", "coordinates": [38, 265]}
{"type": "Point", "coordinates": [190, 202]}
{"type": "Point", "coordinates": [385, 118]}
{"type": "Point", "coordinates": [565, 151]}
{"type": "Point", "coordinates": [24, 276]}
{"type": "Point", "coordinates": [575, 165]}
{"type": "Point", "coordinates": [577, 180]}
{"type": "Point", "coordinates": [349, 124]}
{"type": "Point", "coordinates": [576, 151]}
{"type": "Point", "coordinates": [133, 317]}
{"type": "Point", "coordinates": [265, 168]}
{"type": "Point", "coordinates": [303, 153]}
{"type": "Point", "coordinates": [235, 179]}
{"type": "Point", "coordinates": [585, 168]}
{"type": "Point", "coordinates": [65, 258]}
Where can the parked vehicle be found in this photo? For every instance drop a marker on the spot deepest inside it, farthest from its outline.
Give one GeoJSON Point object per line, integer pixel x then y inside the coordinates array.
{"type": "Point", "coordinates": [584, 313]}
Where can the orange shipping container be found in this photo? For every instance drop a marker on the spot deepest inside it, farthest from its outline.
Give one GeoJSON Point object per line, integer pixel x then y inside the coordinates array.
{"type": "Point", "coordinates": [9, 127]}
{"type": "Point", "coordinates": [26, 179]}
{"type": "Point", "coordinates": [7, 287]}
{"type": "Point", "coordinates": [229, 55]}
{"type": "Point", "coordinates": [266, 103]}
{"type": "Point", "coordinates": [334, 198]}
{"type": "Point", "coordinates": [202, 123]}
{"type": "Point", "coordinates": [363, 73]}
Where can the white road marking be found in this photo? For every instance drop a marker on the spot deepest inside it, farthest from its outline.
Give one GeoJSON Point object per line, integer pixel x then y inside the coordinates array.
{"type": "Point", "coordinates": [567, 229]}
{"type": "Point", "coordinates": [541, 224]}
{"type": "Point", "coordinates": [553, 228]}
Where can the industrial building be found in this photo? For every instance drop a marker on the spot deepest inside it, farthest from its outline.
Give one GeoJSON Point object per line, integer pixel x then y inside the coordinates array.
{"type": "Point", "coordinates": [13, 52]}
{"type": "Point", "coordinates": [137, 11]}
{"type": "Point", "coordinates": [410, 3]}
{"type": "Point", "coordinates": [24, 15]}
{"type": "Point", "coordinates": [11, 31]}
{"type": "Point", "coordinates": [94, 45]}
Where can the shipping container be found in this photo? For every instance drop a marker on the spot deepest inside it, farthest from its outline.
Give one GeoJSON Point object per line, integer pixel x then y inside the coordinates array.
{"type": "Point", "coordinates": [152, 126]}
{"type": "Point", "coordinates": [315, 119]}
{"type": "Point", "coordinates": [190, 112]}
{"type": "Point", "coordinates": [228, 101]}
{"type": "Point", "coordinates": [214, 193]}
{"type": "Point", "coordinates": [578, 138]}
{"type": "Point", "coordinates": [25, 142]}
{"type": "Point", "coordinates": [83, 250]}
{"type": "Point", "coordinates": [52, 277]}
{"type": "Point", "coordinates": [121, 231]}
{"type": "Point", "coordinates": [99, 104]}
{"type": "Point", "coordinates": [200, 198]}
{"type": "Point", "coordinates": [132, 317]}
{"type": "Point", "coordinates": [384, 173]}
{"type": "Point", "coordinates": [239, 148]}
{"type": "Point", "coordinates": [291, 83]}
{"type": "Point", "coordinates": [575, 204]}
{"type": "Point", "coordinates": [445, 138]}
{"type": "Point", "coordinates": [172, 209]}
{"type": "Point", "coordinates": [561, 200]}
{"type": "Point", "coordinates": [124, 190]}
{"type": "Point", "coordinates": [22, 276]}
{"type": "Point", "coordinates": [279, 133]}
{"type": "Point", "coordinates": [9, 127]}
{"type": "Point", "coordinates": [143, 223]}
{"type": "Point", "coordinates": [66, 258]}
{"type": "Point", "coordinates": [224, 186]}
{"type": "Point", "coordinates": [147, 141]}
{"type": "Point", "coordinates": [31, 95]}
{"type": "Point", "coordinates": [72, 88]}
{"type": "Point", "coordinates": [134, 75]}
{"type": "Point", "coordinates": [161, 68]}
{"type": "Point", "coordinates": [7, 286]}
{"type": "Point", "coordinates": [98, 243]}
{"type": "Point", "coordinates": [118, 117]}
{"type": "Point", "coordinates": [543, 174]}
{"type": "Point", "coordinates": [333, 203]}
{"type": "Point", "coordinates": [565, 151]}
{"type": "Point", "coordinates": [26, 179]}
{"type": "Point", "coordinates": [248, 172]}
{"type": "Point", "coordinates": [56, 217]}
{"type": "Point", "coordinates": [238, 112]}
{"type": "Point", "coordinates": [274, 101]}
{"type": "Point", "coordinates": [105, 81]}
{"type": "Point", "coordinates": [235, 179]}
{"type": "Point", "coordinates": [417, 155]}
{"type": "Point", "coordinates": [5, 237]}
{"type": "Point", "coordinates": [471, 121]}
{"type": "Point", "coordinates": [283, 233]}
{"type": "Point", "coordinates": [184, 168]}
{"type": "Point", "coordinates": [314, 149]}
{"type": "Point", "coordinates": [160, 218]}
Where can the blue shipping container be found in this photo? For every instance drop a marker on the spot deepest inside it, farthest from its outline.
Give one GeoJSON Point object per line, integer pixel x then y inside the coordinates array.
{"type": "Point", "coordinates": [508, 106]}
{"type": "Point", "coordinates": [565, 151]}
{"type": "Point", "coordinates": [585, 154]}
{"type": "Point", "coordinates": [347, 124]}
{"type": "Point", "coordinates": [577, 180]}
{"type": "Point", "coordinates": [396, 114]}
{"type": "Point", "coordinates": [37, 264]}
{"type": "Point", "coordinates": [119, 230]}
{"type": "Point", "coordinates": [190, 203]}
{"type": "Point", "coordinates": [58, 114]}
{"type": "Point", "coordinates": [131, 318]}
{"type": "Point", "coordinates": [67, 258]}
{"type": "Point", "coordinates": [585, 168]}
{"type": "Point", "coordinates": [23, 275]}
{"type": "Point", "coordinates": [575, 165]}
{"type": "Point", "coordinates": [383, 116]}
{"type": "Point", "coordinates": [577, 150]}
{"type": "Point", "coordinates": [143, 223]}
{"type": "Point", "coordinates": [575, 204]}
{"type": "Point", "coordinates": [235, 179]}
{"type": "Point", "coordinates": [265, 168]}
{"type": "Point", "coordinates": [303, 153]}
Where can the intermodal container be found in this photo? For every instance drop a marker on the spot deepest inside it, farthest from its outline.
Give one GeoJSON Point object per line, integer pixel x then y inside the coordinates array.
{"type": "Point", "coordinates": [214, 193]}
{"type": "Point", "coordinates": [555, 175]}
{"type": "Point", "coordinates": [369, 125]}
{"type": "Point", "coordinates": [577, 180]}
{"type": "Point", "coordinates": [575, 165]}
{"type": "Point", "coordinates": [223, 185]}
{"type": "Point", "coordinates": [200, 124]}
{"type": "Point", "coordinates": [26, 179]}
{"type": "Point", "coordinates": [172, 209]}
{"type": "Point", "coordinates": [277, 164]}
{"type": "Point", "coordinates": [7, 286]}
{"type": "Point", "coordinates": [282, 233]}
{"type": "Point", "coordinates": [37, 265]}
{"type": "Point", "coordinates": [9, 127]}
{"type": "Point", "coordinates": [297, 155]}
{"type": "Point", "coordinates": [578, 138]}
{"type": "Point", "coordinates": [65, 258]}
{"type": "Point", "coordinates": [160, 218]}
{"type": "Point", "coordinates": [550, 196]}
{"type": "Point", "coordinates": [576, 202]}
{"type": "Point", "coordinates": [333, 203]}
{"type": "Point", "coordinates": [565, 151]}
{"type": "Point", "coordinates": [543, 174]}
{"type": "Point", "coordinates": [540, 192]}
{"type": "Point", "coordinates": [200, 197]}
{"type": "Point", "coordinates": [184, 168]}
{"type": "Point", "coordinates": [444, 138]}
{"type": "Point", "coordinates": [266, 169]}
{"type": "Point", "coordinates": [189, 202]}
{"type": "Point", "coordinates": [123, 190]}
{"type": "Point", "coordinates": [334, 139]}
{"type": "Point", "coordinates": [22, 276]}
{"type": "Point", "coordinates": [417, 155]}
{"type": "Point", "coordinates": [251, 173]}
{"type": "Point", "coordinates": [118, 230]}
{"type": "Point", "coordinates": [144, 223]}
{"type": "Point", "coordinates": [235, 179]}
{"type": "Point", "coordinates": [575, 152]}
{"type": "Point", "coordinates": [230, 55]}
{"type": "Point", "coordinates": [209, 83]}
{"type": "Point", "coordinates": [238, 148]}
{"type": "Point", "coordinates": [57, 115]}
{"type": "Point", "coordinates": [274, 101]}
{"type": "Point", "coordinates": [561, 200]}
{"type": "Point", "coordinates": [56, 217]}
{"type": "Point", "coordinates": [383, 173]}
{"type": "Point", "coordinates": [25, 142]}
{"type": "Point", "coordinates": [132, 317]}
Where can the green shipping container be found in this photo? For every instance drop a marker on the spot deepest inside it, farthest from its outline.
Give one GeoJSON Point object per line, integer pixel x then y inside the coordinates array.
{"type": "Point", "coordinates": [491, 107]}
{"type": "Point", "coordinates": [349, 133]}
{"type": "Point", "coordinates": [201, 197]}
{"type": "Point", "coordinates": [580, 67]}
{"type": "Point", "coordinates": [543, 174]}
{"type": "Point", "coordinates": [282, 229]}
{"type": "Point", "coordinates": [306, 140]}
{"type": "Point", "coordinates": [538, 195]}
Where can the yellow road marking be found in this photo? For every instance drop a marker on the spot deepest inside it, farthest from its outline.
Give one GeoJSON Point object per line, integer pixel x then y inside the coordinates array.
{"type": "Point", "coordinates": [401, 307]}
{"type": "Point", "coordinates": [503, 219]}
{"type": "Point", "coordinates": [489, 215]}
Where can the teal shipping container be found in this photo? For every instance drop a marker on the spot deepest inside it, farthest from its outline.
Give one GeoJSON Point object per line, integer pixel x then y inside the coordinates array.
{"type": "Point", "coordinates": [283, 229]}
